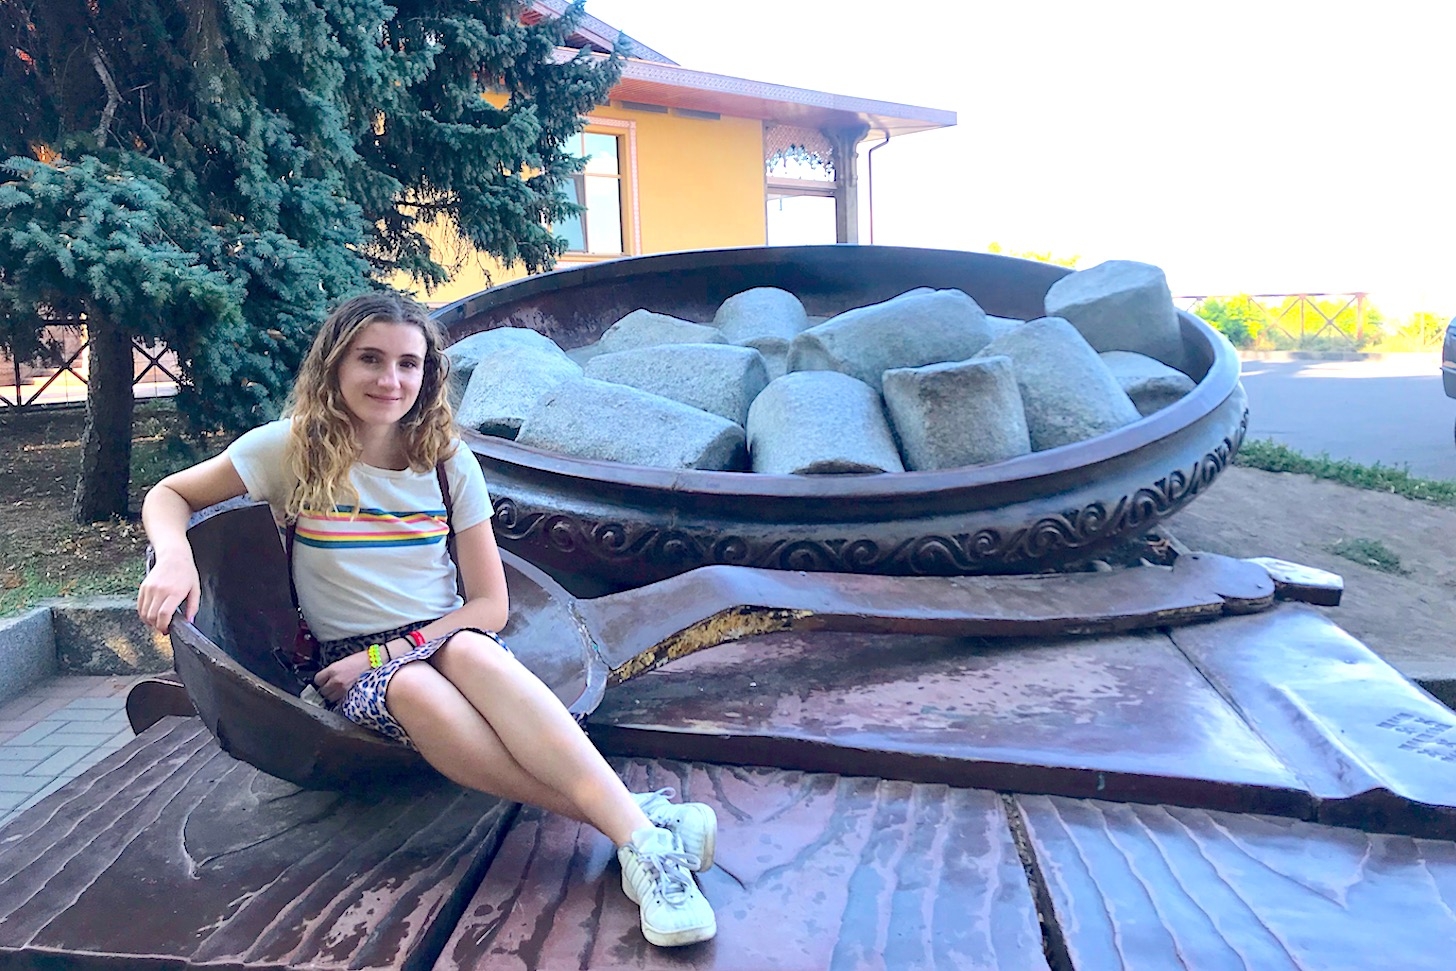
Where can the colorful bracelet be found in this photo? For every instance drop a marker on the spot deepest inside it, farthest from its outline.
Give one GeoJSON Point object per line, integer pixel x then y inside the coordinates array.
{"type": "Point", "coordinates": [416, 638]}
{"type": "Point", "coordinates": [376, 656]}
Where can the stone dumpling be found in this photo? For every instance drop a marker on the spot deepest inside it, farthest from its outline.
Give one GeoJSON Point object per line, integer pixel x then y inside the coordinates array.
{"type": "Point", "coordinates": [820, 423]}
{"type": "Point", "coordinates": [1120, 305]}
{"type": "Point", "coordinates": [1067, 393]}
{"type": "Point", "coordinates": [722, 379]}
{"type": "Point", "coordinates": [614, 423]}
{"type": "Point", "coordinates": [911, 330]}
{"type": "Point", "coordinates": [926, 380]}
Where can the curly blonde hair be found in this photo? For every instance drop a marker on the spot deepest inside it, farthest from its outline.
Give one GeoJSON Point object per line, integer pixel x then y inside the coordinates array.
{"type": "Point", "coordinates": [321, 444]}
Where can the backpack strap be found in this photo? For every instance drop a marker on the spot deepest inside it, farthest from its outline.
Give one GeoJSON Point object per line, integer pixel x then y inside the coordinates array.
{"type": "Point", "coordinates": [304, 651]}
{"type": "Point", "coordinates": [288, 536]}
{"type": "Point", "coordinates": [450, 524]}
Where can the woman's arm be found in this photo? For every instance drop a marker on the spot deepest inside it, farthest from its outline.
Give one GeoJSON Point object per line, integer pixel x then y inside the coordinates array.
{"type": "Point", "coordinates": [172, 581]}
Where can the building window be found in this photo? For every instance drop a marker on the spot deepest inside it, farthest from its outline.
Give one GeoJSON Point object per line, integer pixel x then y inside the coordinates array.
{"type": "Point", "coordinates": [799, 186]}
{"type": "Point", "coordinates": [597, 188]}
{"type": "Point", "coordinates": [800, 220]}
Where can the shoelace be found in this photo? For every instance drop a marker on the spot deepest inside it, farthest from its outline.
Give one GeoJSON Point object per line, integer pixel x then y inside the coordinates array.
{"type": "Point", "coordinates": [657, 801]}
{"type": "Point", "coordinates": [672, 870]}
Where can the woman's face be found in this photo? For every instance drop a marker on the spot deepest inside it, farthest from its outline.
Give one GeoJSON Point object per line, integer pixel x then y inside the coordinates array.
{"type": "Point", "coordinates": [381, 372]}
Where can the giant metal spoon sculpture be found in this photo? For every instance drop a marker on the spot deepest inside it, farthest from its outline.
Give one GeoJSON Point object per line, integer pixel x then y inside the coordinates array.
{"type": "Point", "coordinates": [580, 647]}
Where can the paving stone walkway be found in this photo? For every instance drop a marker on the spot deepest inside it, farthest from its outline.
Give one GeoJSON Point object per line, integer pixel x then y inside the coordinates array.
{"type": "Point", "coordinates": [54, 732]}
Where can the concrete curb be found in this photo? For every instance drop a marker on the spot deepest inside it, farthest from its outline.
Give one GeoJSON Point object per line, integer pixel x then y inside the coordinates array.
{"type": "Point", "coordinates": [1277, 357]}
{"type": "Point", "coordinates": [104, 635]}
{"type": "Point", "coordinates": [27, 651]}
{"type": "Point", "coordinates": [96, 635]}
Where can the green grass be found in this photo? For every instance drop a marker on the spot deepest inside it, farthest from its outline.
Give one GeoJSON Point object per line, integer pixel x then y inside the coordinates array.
{"type": "Point", "coordinates": [1371, 553]}
{"type": "Point", "coordinates": [32, 586]}
{"type": "Point", "coordinates": [1273, 457]}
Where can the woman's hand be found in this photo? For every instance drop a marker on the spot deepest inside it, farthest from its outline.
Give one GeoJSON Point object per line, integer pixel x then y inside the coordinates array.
{"type": "Point", "coordinates": [171, 582]}
{"type": "Point", "coordinates": [334, 681]}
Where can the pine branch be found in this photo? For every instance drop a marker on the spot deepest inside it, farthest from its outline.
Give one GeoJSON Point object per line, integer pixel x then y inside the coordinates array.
{"type": "Point", "coordinates": [142, 115]}
{"type": "Point", "coordinates": [113, 97]}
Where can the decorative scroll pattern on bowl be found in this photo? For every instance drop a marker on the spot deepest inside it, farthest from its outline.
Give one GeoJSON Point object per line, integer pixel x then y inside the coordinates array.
{"type": "Point", "coordinates": [988, 550]}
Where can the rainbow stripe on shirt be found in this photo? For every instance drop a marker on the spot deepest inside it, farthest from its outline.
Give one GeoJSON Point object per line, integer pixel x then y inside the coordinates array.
{"type": "Point", "coordinates": [371, 528]}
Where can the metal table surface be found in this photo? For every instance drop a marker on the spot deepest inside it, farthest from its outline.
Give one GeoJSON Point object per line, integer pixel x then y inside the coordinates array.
{"type": "Point", "coordinates": [1254, 791]}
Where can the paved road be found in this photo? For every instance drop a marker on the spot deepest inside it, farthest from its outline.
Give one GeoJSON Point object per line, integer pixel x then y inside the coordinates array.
{"type": "Point", "coordinates": [1391, 410]}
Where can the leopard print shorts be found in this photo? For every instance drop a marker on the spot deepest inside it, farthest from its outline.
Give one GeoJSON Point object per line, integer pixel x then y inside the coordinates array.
{"type": "Point", "coordinates": [364, 704]}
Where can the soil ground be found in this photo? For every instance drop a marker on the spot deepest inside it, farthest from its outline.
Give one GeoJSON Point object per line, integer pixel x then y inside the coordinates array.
{"type": "Point", "coordinates": [1410, 618]}
{"type": "Point", "coordinates": [42, 552]}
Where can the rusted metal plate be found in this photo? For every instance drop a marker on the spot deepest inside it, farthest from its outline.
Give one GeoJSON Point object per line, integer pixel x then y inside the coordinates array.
{"type": "Point", "coordinates": [639, 629]}
{"type": "Point", "coordinates": [1377, 751]}
{"type": "Point", "coordinates": [813, 871]}
{"type": "Point", "coordinates": [1306, 584]}
{"type": "Point", "coordinates": [153, 699]}
{"type": "Point", "coordinates": [169, 851]}
{"type": "Point", "coordinates": [1121, 717]}
{"type": "Point", "coordinates": [1156, 888]}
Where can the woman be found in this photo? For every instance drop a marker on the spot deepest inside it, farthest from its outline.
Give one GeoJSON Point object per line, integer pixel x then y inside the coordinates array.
{"type": "Point", "coordinates": [355, 468]}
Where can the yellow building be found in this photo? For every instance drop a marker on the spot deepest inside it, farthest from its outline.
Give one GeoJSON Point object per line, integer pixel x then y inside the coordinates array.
{"type": "Point", "coordinates": [681, 159]}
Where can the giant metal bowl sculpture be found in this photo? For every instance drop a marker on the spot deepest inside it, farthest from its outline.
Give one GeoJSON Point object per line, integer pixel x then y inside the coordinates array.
{"type": "Point", "coordinates": [601, 526]}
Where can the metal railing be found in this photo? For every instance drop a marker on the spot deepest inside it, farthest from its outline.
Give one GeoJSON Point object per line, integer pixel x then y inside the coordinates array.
{"type": "Point", "coordinates": [1301, 319]}
{"type": "Point", "coordinates": [57, 376]}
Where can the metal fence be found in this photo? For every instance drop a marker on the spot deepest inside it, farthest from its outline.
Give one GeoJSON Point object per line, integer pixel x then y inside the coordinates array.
{"type": "Point", "coordinates": [1294, 319]}
{"type": "Point", "coordinates": [57, 376]}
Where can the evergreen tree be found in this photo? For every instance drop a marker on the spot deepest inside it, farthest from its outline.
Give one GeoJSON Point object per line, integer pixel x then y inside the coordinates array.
{"type": "Point", "coordinates": [216, 173]}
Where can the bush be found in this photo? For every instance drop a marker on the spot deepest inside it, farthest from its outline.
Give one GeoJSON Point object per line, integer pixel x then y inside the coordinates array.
{"type": "Point", "coordinates": [1239, 318]}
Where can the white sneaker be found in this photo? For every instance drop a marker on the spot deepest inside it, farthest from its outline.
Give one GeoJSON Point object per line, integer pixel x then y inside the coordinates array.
{"type": "Point", "coordinates": [657, 876]}
{"type": "Point", "coordinates": [694, 823]}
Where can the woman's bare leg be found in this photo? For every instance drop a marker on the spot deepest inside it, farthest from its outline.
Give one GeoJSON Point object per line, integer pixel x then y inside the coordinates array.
{"type": "Point", "coordinates": [455, 739]}
{"type": "Point", "coordinates": [539, 733]}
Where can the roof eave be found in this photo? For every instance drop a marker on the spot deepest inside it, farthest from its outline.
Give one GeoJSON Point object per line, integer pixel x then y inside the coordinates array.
{"type": "Point", "coordinates": [598, 33]}
{"type": "Point", "coordinates": [673, 86]}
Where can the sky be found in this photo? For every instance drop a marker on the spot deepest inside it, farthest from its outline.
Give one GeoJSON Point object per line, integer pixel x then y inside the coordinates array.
{"type": "Point", "coordinates": [1273, 147]}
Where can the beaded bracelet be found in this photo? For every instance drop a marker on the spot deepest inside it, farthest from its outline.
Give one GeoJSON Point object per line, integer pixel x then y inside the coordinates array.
{"type": "Point", "coordinates": [416, 638]}
{"type": "Point", "coordinates": [376, 656]}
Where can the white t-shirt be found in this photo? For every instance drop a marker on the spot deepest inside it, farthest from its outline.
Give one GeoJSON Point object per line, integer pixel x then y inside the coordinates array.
{"type": "Point", "coordinates": [384, 567]}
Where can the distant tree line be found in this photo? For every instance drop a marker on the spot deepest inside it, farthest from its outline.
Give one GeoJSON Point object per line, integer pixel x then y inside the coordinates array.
{"type": "Point", "coordinates": [1275, 323]}
{"type": "Point", "coordinates": [1292, 321]}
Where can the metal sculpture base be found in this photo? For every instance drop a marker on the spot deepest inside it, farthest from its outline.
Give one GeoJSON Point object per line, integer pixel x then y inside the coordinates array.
{"type": "Point", "coordinates": [1033, 845]}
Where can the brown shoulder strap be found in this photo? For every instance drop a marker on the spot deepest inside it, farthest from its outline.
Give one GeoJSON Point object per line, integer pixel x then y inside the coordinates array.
{"type": "Point", "coordinates": [450, 524]}
{"type": "Point", "coordinates": [288, 558]}
{"type": "Point", "coordinates": [304, 650]}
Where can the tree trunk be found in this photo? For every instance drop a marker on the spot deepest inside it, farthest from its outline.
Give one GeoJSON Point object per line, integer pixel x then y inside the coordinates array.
{"type": "Point", "coordinates": [106, 443]}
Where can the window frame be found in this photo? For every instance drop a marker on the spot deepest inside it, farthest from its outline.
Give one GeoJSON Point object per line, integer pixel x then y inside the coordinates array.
{"type": "Point", "coordinates": [626, 135]}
